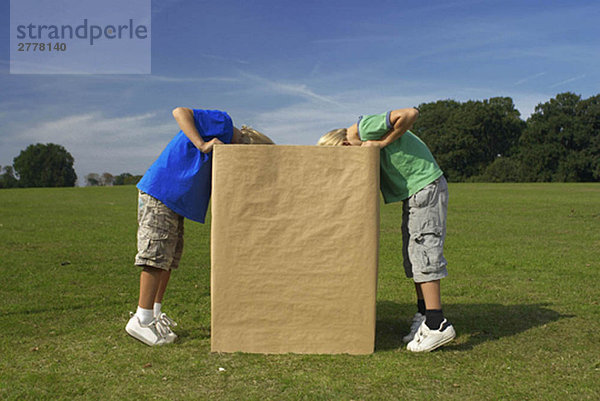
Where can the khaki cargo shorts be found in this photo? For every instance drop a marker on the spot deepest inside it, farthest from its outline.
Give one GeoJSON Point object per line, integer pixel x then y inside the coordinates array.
{"type": "Point", "coordinates": [159, 235]}
{"type": "Point", "coordinates": [424, 232]}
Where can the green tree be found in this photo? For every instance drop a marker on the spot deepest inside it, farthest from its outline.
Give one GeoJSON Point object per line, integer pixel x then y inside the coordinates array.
{"type": "Point", "coordinates": [465, 138]}
{"type": "Point", "coordinates": [92, 180]}
{"type": "Point", "coordinates": [503, 169]}
{"type": "Point", "coordinates": [127, 179]}
{"type": "Point", "coordinates": [562, 140]}
{"type": "Point", "coordinates": [436, 127]}
{"type": "Point", "coordinates": [121, 178]}
{"type": "Point", "coordinates": [7, 178]}
{"type": "Point", "coordinates": [107, 180]}
{"type": "Point", "coordinates": [48, 165]}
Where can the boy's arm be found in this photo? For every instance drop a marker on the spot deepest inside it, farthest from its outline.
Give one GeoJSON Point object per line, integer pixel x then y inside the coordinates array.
{"type": "Point", "coordinates": [402, 120]}
{"type": "Point", "coordinates": [185, 118]}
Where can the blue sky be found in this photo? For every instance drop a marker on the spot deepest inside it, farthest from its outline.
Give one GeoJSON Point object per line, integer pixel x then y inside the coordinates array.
{"type": "Point", "coordinates": [296, 69]}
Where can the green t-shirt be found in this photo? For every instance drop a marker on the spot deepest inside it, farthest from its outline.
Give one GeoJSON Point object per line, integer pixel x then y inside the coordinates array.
{"type": "Point", "coordinates": [407, 165]}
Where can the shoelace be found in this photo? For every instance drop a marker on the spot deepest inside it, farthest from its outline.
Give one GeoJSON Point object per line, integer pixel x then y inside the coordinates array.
{"type": "Point", "coordinates": [159, 328]}
{"type": "Point", "coordinates": [163, 323]}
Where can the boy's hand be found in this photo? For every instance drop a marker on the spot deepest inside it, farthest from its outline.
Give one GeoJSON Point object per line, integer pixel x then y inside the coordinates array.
{"type": "Point", "coordinates": [207, 147]}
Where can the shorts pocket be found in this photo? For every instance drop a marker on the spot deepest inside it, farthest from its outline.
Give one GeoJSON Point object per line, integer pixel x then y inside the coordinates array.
{"type": "Point", "coordinates": [423, 197]}
{"type": "Point", "coordinates": [153, 252]}
{"type": "Point", "coordinates": [429, 251]}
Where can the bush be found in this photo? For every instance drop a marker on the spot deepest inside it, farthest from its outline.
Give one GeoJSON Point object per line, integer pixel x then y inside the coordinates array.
{"type": "Point", "coordinates": [503, 169]}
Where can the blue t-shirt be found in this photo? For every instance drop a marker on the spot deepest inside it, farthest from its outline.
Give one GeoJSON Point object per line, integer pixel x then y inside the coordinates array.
{"type": "Point", "coordinates": [181, 176]}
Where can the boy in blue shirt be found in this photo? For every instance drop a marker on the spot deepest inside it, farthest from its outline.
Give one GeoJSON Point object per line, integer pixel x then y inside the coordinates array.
{"type": "Point", "coordinates": [409, 173]}
{"type": "Point", "coordinates": [176, 186]}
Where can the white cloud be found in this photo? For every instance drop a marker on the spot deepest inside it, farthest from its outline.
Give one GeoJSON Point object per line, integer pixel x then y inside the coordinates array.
{"type": "Point", "coordinates": [567, 81]}
{"type": "Point", "coordinates": [99, 143]}
{"type": "Point", "coordinates": [293, 89]}
{"type": "Point", "coordinates": [153, 78]}
{"type": "Point", "coordinates": [355, 39]}
{"type": "Point", "coordinates": [304, 123]}
{"type": "Point", "coordinates": [221, 58]}
{"type": "Point", "coordinates": [529, 78]}
{"type": "Point", "coordinates": [92, 128]}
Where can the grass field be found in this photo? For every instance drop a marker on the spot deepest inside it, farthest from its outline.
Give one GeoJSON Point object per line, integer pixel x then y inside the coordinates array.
{"type": "Point", "coordinates": [523, 293]}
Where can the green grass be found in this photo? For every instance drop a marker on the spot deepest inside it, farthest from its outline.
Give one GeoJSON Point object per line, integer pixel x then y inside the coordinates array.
{"type": "Point", "coordinates": [523, 293]}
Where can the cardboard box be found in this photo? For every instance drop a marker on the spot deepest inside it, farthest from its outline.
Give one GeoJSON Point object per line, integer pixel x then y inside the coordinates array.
{"type": "Point", "coordinates": [294, 246]}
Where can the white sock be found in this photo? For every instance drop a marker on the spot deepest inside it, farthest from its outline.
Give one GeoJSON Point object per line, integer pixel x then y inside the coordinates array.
{"type": "Point", "coordinates": [157, 307]}
{"type": "Point", "coordinates": [144, 315]}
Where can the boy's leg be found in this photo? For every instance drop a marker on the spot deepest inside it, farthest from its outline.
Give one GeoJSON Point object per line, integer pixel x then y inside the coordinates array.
{"type": "Point", "coordinates": [150, 279]}
{"type": "Point", "coordinates": [431, 294]}
{"type": "Point", "coordinates": [150, 282]}
{"type": "Point", "coordinates": [418, 318]}
{"type": "Point", "coordinates": [142, 325]}
{"type": "Point", "coordinates": [162, 319]}
{"type": "Point", "coordinates": [160, 245]}
{"type": "Point", "coordinates": [429, 307]}
{"type": "Point", "coordinates": [424, 227]}
{"type": "Point", "coordinates": [165, 275]}
{"type": "Point", "coordinates": [158, 236]}
{"type": "Point", "coordinates": [434, 316]}
{"type": "Point", "coordinates": [420, 299]}
{"type": "Point", "coordinates": [435, 330]}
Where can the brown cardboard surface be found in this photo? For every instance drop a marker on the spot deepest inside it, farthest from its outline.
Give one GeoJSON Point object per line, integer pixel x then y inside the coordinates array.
{"type": "Point", "coordinates": [294, 249]}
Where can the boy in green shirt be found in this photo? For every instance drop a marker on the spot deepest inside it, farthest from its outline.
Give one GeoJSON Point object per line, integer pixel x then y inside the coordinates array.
{"type": "Point", "coordinates": [409, 173]}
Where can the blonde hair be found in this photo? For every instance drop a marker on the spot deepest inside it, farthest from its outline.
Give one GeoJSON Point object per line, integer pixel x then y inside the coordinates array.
{"type": "Point", "coordinates": [250, 136]}
{"type": "Point", "coordinates": [335, 137]}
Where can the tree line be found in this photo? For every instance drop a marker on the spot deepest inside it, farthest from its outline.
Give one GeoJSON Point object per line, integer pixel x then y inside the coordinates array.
{"type": "Point", "coordinates": [108, 180]}
{"type": "Point", "coordinates": [481, 141]}
{"type": "Point", "coordinates": [40, 165]}
{"type": "Point", "coordinates": [51, 165]}
{"type": "Point", "coordinates": [487, 140]}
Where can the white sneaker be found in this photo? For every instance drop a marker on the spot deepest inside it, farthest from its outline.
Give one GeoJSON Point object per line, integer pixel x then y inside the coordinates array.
{"type": "Point", "coordinates": [148, 334]}
{"type": "Point", "coordinates": [163, 323]}
{"type": "Point", "coordinates": [414, 327]}
{"type": "Point", "coordinates": [427, 340]}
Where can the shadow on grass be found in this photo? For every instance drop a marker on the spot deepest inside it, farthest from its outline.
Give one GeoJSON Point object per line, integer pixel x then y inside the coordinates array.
{"type": "Point", "coordinates": [481, 322]}
{"type": "Point", "coordinates": [61, 308]}
{"type": "Point", "coordinates": [192, 333]}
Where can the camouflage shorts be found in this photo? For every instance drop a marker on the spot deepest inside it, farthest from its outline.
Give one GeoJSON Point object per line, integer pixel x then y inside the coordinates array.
{"type": "Point", "coordinates": [160, 234]}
